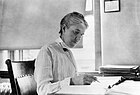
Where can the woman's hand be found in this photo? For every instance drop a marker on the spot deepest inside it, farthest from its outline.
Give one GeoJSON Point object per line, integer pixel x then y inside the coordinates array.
{"type": "Point", "coordinates": [85, 79]}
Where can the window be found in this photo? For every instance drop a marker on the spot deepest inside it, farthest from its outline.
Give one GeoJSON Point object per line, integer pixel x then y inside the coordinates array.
{"type": "Point", "coordinates": [3, 56]}
{"type": "Point", "coordinates": [30, 54]}
{"type": "Point", "coordinates": [85, 57]}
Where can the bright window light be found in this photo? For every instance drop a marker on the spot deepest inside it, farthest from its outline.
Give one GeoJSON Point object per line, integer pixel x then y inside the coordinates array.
{"type": "Point", "coordinates": [89, 5]}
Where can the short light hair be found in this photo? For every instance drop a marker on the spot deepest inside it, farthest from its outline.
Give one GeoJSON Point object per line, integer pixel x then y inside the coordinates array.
{"type": "Point", "coordinates": [71, 19]}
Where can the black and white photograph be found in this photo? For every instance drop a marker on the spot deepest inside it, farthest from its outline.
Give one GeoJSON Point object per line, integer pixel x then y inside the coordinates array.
{"type": "Point", "coordinates": [69, 47]}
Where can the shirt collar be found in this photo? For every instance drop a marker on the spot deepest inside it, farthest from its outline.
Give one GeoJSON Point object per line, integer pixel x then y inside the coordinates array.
{"type": "Point", "coordinates": [61, 42]}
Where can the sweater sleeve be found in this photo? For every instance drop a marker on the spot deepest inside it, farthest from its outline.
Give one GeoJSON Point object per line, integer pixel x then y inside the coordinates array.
{"type": "Point", "coordinates": [43, 74]}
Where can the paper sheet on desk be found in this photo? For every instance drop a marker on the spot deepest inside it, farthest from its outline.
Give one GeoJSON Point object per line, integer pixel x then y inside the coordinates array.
{"type": "Point", "coordinates": [106, 81]}
{"type": "Point", "coordinates": [129, 87]}
{"type": "Point", "coordinates": [94, 89]}
{"type": "Point", "coordinates": [82, 90]}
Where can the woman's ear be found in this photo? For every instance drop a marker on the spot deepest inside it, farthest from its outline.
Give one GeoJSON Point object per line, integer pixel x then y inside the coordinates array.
{"type": "Point", "coordinates": [63, 29]}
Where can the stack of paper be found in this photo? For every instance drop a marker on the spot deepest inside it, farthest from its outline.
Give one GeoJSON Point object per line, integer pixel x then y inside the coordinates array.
{"type": "Point", "coordinates": [118, 69]}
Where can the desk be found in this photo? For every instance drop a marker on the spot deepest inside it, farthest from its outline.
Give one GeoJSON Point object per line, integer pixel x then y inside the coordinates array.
{"type": "Point", "coordinates": [126, 88]}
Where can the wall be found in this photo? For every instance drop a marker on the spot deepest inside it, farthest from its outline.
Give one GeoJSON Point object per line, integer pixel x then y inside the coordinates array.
{"type": "Point", "coordinates": [121, 34]}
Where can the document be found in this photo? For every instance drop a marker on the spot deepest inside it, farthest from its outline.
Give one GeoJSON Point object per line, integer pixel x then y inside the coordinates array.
{"type": "Point", "coordinates": [105, 82]}
{"type": "Point", "coordinates": [128, 87]}
{"type": "Point", "coordinates": [81, 89]}
{"type": "Point", "coordinates": [96, 88]}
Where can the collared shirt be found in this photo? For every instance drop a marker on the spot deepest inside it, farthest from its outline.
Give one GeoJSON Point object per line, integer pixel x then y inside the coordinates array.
{"type": "Point", "coordinates": [54, 66]}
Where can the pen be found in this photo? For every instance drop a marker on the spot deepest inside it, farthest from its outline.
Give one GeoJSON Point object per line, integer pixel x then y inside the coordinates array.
{"type": "Point", "coordinates": [98, 81]}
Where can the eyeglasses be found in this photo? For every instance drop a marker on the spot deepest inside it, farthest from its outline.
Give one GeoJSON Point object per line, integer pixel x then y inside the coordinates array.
{"type": "Point", "coordinates": [77, 32]}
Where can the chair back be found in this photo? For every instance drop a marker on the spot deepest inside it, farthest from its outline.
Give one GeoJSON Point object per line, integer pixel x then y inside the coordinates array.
{"type": "Point", "coordinates": [21, 77]}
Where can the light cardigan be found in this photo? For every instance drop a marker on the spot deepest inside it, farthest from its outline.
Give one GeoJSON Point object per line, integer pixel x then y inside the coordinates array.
{"type": "Point", "coordinates": [54, 66]}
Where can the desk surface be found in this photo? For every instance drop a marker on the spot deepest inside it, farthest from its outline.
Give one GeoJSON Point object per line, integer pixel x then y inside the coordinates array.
{"type": "Point", "coordinates": [125, 88]}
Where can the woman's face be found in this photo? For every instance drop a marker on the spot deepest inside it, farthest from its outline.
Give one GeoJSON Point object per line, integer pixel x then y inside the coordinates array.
{"type": "Point", "coordinates": [73, 34]}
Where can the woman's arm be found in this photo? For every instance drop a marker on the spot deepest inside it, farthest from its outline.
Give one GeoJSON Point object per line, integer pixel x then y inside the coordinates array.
{"type": "Point", "coordinates": [43, 74]}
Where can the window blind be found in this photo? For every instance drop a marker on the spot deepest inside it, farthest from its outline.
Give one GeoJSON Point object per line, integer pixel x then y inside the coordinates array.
{"type": "Point", "coordinates": [30, 24]}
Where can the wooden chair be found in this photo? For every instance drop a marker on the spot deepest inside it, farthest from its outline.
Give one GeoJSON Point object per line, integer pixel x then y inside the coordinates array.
{"type": "Point", "coordinates": [21, 77]}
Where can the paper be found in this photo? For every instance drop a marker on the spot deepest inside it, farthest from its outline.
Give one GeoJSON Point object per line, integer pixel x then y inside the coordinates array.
{"type": "Point", "coordinates": [82, 89]}
{"type": "Point", "coordinates": [126, 88]}
{"type": "Point", "coordinates": [106, 81]}
{"type": "Point", "coordinates": [95, 88]}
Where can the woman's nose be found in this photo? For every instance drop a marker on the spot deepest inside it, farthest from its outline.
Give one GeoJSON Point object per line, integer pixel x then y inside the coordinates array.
{"type": "Point", "coordinates": [79, 37]}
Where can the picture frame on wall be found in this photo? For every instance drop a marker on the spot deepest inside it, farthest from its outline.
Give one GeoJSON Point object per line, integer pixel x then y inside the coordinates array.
{"type": "Point", "coordinates": [111, 6]}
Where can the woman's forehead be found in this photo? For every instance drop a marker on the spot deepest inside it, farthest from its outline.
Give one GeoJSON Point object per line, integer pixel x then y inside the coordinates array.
{"type": "Point", "coordinates": [79, 26]}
